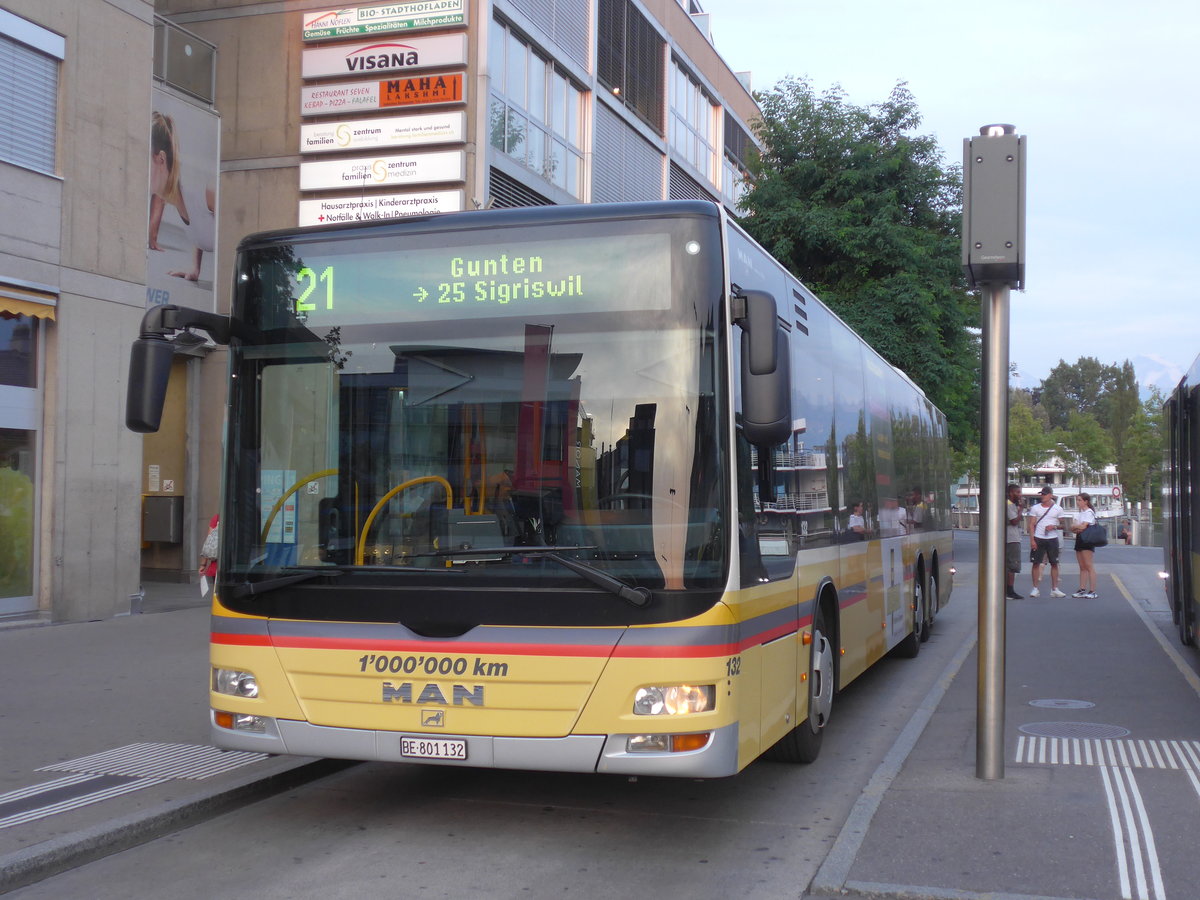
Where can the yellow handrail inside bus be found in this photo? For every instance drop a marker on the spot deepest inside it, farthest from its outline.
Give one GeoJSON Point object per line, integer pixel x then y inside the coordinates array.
{"type": "Point", "coordinates": [360, 550]}
{"type": "Point", "coordinates": [295, 487]}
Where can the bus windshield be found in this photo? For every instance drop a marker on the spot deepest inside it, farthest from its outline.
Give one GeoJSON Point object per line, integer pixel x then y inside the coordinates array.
{"type": "Point", "coordinates": [471, 412]}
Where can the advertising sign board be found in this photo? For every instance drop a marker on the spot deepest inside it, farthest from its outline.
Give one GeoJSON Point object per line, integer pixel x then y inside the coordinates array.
{"type": "Point", "coordinates": [396, 55]}
{"type": "Point", "coordinates": [360, 96]}
{"type": "Point", "coordinates": [375, 171]}
{"type": "Point", "coordinates": [407, 15]}
{"type": "Point", "coordinates": [378, 206]}
{"type": "Point", "coordinates": [417, 129]}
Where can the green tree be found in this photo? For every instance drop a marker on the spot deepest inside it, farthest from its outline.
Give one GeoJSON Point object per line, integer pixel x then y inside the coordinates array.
{"type": "Point", "coordinates": [1028, 441]}
{"type": "Point", "coordinates": [1084, 445]}
{"type": "Point", "coordinates": [1077, 387]}
{"type": "Point", "coordinates": [1119, 409]}
{"type": "Point", "coordinates": [966, 461]}
{"type": "Point", "coordinates": [1140, 459]}
{"type": "Point", "coordinates": [862, 209]}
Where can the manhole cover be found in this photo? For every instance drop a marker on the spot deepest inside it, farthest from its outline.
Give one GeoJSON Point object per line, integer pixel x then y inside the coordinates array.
{"type": "Point", "coordinates": [1083, 730]}
{"type": "Point", "coordinates": [1062, 704]}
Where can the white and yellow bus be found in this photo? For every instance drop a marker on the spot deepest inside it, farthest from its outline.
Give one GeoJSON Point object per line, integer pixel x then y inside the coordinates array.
{"type": "Point", "coordinates": [590, 488]}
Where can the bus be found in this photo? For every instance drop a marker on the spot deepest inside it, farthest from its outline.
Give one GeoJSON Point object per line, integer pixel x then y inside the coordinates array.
{"type": "Point", "coordinates": [1181, 496]}
{"type": "Point", "coordinates": [594, 488]}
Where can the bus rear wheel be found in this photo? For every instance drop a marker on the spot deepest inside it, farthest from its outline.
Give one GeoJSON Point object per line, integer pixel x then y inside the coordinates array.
{"type": "Point", "coordinates": [911, 645]}
{"type": "Point", "coordinates": [803, 743]}
{"type": "Point", "coordinates": [1187, 636]}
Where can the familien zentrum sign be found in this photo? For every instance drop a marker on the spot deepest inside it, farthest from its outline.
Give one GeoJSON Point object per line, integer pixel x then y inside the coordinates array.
{"type": "Point", "coordinates": [414, 130]}
{"type": "Point", "coordinates": [423, 168]}
{"type": "Point", "coordinates": [408, 15]}
{"type": "Point", "coordinates": [411, 90]}
{"type": "Point", "coordinates": [395, 55]}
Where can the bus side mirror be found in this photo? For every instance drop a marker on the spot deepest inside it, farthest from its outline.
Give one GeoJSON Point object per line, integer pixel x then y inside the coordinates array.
{"type": "Point", "coordinates": [766, 374]}
{"type": "Point", "coordinates": [149, 369]}
{"type": "Point", "coordinates": [758, 332]}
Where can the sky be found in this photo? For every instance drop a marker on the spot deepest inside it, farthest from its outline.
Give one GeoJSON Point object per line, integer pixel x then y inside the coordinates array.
{"type": "Point", "coordinates": [1107, 95]}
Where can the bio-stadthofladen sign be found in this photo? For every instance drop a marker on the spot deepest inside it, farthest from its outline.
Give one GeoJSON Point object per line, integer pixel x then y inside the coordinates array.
{"type": "Point", "coordinates": [418, 129]}
{"type": "Point", "coordinates": [381, 56]}
{"type": "Point", "coordinates": [389, 18]}
{"type": "Point", "coordinates": [377, 171]}
{"type": "Point", "coordinates": [378, 206]}
{"type": "Point", "coordinates": [408, 90]}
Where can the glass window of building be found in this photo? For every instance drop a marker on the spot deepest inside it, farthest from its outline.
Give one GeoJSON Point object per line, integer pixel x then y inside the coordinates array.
{"type": "Point", "coordinates": [18, 350]}
{"type": "Point", "coordinates": [693, 123]}
{"type": "Point", "coordinates": [29, 58]}
{"type": "Point", "coordinates": [735, 176]}
{"type": "Point", "coordinates": [17, 459]}
{"type": "Point", "coordinates": [629, 60]}
{"type": "Point", "coordinates": [536, 111]}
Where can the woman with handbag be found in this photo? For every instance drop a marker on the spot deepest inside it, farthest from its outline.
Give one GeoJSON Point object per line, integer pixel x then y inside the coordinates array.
{"type": "Point", "coordinates": [1084, 550]}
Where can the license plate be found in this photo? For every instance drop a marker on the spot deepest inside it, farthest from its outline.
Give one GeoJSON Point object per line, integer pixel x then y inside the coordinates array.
{"type": "Point", "coordinates": [433, 748]}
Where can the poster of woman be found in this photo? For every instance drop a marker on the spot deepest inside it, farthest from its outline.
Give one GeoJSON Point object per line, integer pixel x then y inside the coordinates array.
{"type": "Point", "coordinates": [181, 236]}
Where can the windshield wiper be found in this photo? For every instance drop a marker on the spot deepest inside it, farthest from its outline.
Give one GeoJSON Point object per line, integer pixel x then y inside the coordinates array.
{"type": "Point", "coordinates": [254, 588]}
{"type": "Point", "coordinates": [635, 596]}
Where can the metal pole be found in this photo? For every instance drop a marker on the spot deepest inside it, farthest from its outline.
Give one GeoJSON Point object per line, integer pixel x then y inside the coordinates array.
{"type": "Point", "coordinates": [989, 731]}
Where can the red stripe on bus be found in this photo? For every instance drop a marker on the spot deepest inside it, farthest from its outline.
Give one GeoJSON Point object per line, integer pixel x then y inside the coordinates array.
{"type": "Point", "coordinates": [653, 651]}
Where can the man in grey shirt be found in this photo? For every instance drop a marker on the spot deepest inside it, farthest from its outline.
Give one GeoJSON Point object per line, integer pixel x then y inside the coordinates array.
{"type": "Point", "coordinates": [1012, 542]}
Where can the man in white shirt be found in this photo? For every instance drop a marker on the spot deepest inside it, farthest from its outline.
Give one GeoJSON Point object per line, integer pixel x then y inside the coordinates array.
{"type": "Point", "coordinates": [1043, 540]}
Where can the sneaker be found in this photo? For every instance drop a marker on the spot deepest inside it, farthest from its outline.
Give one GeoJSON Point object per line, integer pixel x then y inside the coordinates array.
{"type": "Point", "coordinates": [1080, 594]}
{"type": "Point", "coordinates": [1090, 595]}
{"type": "Point", "coordinates": [1057, 593]}
{"type": "Point", "coordinates": [1013, 595]}
{"type": "Point", "coordinates": [1035, 593]}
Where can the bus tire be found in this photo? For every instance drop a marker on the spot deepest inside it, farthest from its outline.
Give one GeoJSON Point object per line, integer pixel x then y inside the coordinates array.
{"type": "Point", "coordinates": [1187, 635]}
{"type": "Point", "coordinates": [803, 743]}
{"type": "Point", "coordinates": [911, 645]}
{"type": "Point", "coordinates": [931, 604]}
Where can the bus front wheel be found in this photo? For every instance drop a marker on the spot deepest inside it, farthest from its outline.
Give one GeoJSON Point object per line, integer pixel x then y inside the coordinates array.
{"type": "Point", "coordinates": [803, 743]}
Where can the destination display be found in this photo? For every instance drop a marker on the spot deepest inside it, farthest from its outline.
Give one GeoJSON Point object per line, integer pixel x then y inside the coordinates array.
{"type": "Point", "coordinates": [604, 273]}
{"type": "Point", "coordinates": [407, 15]}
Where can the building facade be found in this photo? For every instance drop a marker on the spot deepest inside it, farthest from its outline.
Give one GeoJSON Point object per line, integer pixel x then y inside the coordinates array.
{"type": "Point", "coordinates": [312, 115]}
{"type": "Point", "coordinates": [75, 82]}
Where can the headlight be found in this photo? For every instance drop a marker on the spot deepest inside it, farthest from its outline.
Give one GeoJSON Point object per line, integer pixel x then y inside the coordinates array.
{"type": "Point", "coordinates": [234, 682]}
{"type": "Point", "coordinates": [673, 700]}
{"type": "Point", "coordinates": [241, 722]}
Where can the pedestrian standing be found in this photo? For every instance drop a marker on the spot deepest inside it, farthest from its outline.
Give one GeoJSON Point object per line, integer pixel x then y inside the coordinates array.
{"type": "Point", "coordinates": [208, 553]}
{"type": "Point", "coordinates": [1043, 540]}
{"type": "Point", "coordinates": [1012, 542]}
{"type": "Point", "coordinates": [1085, 552]}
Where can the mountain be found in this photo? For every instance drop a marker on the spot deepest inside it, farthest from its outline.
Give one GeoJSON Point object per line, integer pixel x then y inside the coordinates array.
{"type": "Point", "coordinates": [1154, 371]}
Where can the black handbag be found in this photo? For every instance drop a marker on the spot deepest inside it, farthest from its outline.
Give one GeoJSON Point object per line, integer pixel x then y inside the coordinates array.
{"type": "Point", "coordinates": [1095, 535]}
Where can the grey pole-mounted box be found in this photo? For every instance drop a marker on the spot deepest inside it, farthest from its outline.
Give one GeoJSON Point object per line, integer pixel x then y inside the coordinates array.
{"type": "Point", "coordinates": [993, 248]}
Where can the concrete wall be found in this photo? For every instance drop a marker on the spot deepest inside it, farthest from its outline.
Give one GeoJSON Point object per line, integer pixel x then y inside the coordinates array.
{"type": "Point", "coordinates": [85, 231]}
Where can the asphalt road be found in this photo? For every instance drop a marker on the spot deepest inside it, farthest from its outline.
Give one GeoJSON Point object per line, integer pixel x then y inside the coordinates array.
{"type": "Point", "coordinates": [416, 831]}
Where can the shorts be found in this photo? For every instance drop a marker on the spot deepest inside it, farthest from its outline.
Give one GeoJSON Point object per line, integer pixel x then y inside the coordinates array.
{"type": "Point", "coordinates": [1012, 557]}
{"type": "Point", "coordinates": [1046, 549]}
{"type": "Point", "coordinates": [1083, 545]}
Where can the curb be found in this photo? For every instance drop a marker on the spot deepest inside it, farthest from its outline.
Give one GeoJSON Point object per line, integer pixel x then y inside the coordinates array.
{"type": "Point", "coordinates": [40, 861]}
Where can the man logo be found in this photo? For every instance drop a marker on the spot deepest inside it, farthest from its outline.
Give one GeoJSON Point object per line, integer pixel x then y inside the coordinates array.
{"type": "Point", "coordinates": [433, 718]}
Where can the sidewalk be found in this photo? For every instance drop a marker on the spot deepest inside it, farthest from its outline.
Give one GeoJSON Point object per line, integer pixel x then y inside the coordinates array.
{"type": "Point", "coordinates": [75, 690]}
{"type": "Point", "coordinates": [1099, 797]}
